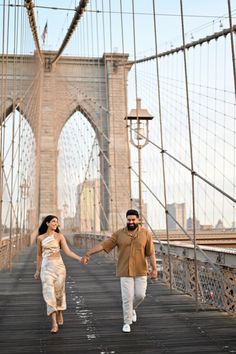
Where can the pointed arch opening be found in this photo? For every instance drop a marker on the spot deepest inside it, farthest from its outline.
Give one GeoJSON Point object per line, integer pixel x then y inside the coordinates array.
{"type": "Point", "coordinates": [79, 179]}
{"type": "Point", "coordinates": [17, 179]}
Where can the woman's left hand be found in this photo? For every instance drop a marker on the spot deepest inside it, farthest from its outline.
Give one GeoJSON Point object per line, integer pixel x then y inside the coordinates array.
{"type": "Point", "coordinates": [36, 275]}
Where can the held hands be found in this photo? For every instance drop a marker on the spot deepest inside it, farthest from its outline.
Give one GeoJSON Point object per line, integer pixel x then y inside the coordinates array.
{"type": "Point", "coordinates": [84, 259]}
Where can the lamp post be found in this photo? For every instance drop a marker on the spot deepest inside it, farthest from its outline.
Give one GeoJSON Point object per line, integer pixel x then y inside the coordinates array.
{"type": "Point", "coordinates": [139, 136]}
{"type": "Point", "coordinates": [24, 187]}
{"type": "Point", "coordinates": [65, 213]}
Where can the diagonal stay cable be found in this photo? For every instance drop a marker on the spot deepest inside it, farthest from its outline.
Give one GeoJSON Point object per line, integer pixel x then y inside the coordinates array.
{"type": "Point", "coordinates": [88, 163]}
{"type": "Point", "coordinates": [157, 238]}
{"type": "Point", "coordinates": [195, 173]}
{"type": "Point", "coordinates": [179, 225]}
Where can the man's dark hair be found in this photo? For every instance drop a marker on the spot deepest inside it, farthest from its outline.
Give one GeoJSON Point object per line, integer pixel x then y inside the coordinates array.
{"type": "Point", "coordinates": [132, 212]}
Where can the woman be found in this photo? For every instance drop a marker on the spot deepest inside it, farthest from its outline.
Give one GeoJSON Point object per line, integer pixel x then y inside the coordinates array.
{"type": "Point", "coordinates": [51, 269]}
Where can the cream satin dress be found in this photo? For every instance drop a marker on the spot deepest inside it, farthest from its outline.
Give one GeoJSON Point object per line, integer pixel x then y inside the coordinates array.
{"type": "Point", "coordinates": [53, 275]}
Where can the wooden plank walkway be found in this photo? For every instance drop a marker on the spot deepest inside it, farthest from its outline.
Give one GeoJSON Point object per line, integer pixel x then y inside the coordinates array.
{"type": "Point", "coordinates": [167, 323]}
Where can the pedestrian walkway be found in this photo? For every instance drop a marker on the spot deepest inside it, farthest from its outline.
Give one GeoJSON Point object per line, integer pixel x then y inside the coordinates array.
{"type": "Point", "coordinates": [167, 323]}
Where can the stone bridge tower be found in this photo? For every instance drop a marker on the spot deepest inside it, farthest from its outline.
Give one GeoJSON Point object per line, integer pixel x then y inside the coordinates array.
{"type": "Point", "coordinates": [96, 88]}
{"type": "Point", "coordinates": [98, 92]}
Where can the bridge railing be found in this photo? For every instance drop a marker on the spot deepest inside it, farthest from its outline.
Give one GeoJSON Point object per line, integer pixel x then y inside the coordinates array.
{"type": "Point", "coordinates": [216, 283]}
{"type": "Point", "coordinates": [10, 247]}
{"type": "Point", "coordinates": [216, 270]}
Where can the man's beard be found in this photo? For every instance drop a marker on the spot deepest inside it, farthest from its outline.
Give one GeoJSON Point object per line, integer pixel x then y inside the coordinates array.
{"type": "Point", "coordinates": [132, 226]}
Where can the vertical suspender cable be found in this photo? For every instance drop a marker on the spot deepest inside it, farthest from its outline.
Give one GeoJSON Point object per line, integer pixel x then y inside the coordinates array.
{"type": "Point", "coordinates": [234, 75]}
{"type": "Point", "coordinates": [97, 62]}
{"type": "Point", "coordinates": [92, 27]}
{"type": "Point", "coordinates": [191, 152]}
{"type": "Point", "coordinates": [18, 187]}
{"type": "Point", "coordinates": [162, 142]}
{"type": "Point", "coordinates": [232, 45]}
{"type": "Point", "coordinates": [15, 182]}
{"type": "Point", "coordinates": [11, 190]}
{"type": "Point", "coordinates": [98, 198]}
{"type": "Point", "coordinates": [138, 120]}
{"type": "Point", "coordinates": [113, 122]}
{"type": "Point", "coordinates": [17, 155]}
{"type": "Point", "coordinates": [126, 103]}
{"type": "Point", "coordinates": [7, 47]}
{"type": "Point", "coordinates": [234, 67]}
{"type": "Point", "coordinates": [2, 120]}
{"type": "Point", "coordinates": [12, 146]}
{"type": "Point", "coordinates": [108, 122]}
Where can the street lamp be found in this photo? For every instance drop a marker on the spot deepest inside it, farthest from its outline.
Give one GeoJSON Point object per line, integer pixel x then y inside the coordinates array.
{"type": "Point", "coordinates": [65, 213]}
{"type": "Point", "coordinates": [24, 193]}
{"type": "Point", "coordinates": [65, 209]}
{"type": "Point", "coordinates": [24, 187]}
{"type": "Point", "coordinates": [139, 137]}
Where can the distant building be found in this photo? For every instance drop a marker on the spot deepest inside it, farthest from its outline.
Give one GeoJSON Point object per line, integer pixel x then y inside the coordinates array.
{"type": "Point", "coordinates": [190, 224]}
{"type": "Point", "coordinates": [206, 227]}
{"type": "Point", "coordinates": [219, 224]}
{"type": "Point", "coordinates": [178, 212]}
{"type": "Point", "coordinates": [135, 205]}
{"type": "Point", "coordinates": [69, 223]}
{"type": "Point", "coordinates": [87, 216]}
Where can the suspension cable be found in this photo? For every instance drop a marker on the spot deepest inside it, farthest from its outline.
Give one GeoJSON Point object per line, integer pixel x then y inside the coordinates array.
{"type": "Point", "coordinates": [126, 103]}
{"type": "Point", "coordinates": [78, 13]}
{"type": "Point", "coordinates": [162, 141]}
{"type": "Point", "coordinates": [190, 151]}
{"type": "Point", "coordinates": [193, 44]}
{"type": "Point", "coordinates": [179, 225]}
{"type": "Point", "coordinates": [30, 11]}
{"type": "Point", "coordinates": [232, 45]}
{"type": "Point", "coordinates": [163, 151]}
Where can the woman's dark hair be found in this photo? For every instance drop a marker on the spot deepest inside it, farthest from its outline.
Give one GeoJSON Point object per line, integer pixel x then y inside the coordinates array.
{"type": "Point", "coordinates": [43, 227]}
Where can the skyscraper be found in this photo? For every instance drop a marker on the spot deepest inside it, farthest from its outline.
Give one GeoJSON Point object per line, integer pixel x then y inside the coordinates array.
{"type": "Point", "coordinates": [88, 206]}
{"type": "Point", "coordinates": [178, 212]}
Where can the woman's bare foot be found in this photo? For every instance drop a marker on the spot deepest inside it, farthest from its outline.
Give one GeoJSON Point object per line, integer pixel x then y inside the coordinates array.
{"type": "Point", "coordinates": [54, 328]}
{"type": "Point", "coordinates": [60, 318]}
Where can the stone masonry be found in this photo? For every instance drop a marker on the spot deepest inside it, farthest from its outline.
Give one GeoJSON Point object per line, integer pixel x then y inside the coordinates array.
{"type": "Point", "coordinates": [98, 91]}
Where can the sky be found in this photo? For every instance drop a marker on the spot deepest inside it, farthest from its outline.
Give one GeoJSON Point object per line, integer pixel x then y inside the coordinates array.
{"type": "Point", "coordinates": [201, 18]}
{"type": "Point", "coordinates": [210, 84]}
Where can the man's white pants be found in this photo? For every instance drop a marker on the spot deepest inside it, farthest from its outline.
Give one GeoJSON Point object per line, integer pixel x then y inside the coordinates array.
{"type": "Point", "coordinates": [133, 292]}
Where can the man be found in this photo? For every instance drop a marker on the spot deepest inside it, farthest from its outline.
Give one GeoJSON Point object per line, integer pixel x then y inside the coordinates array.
{"type": "Point", "coordinates": [134, 245]}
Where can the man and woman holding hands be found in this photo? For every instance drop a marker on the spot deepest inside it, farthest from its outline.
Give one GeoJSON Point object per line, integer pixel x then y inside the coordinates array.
{"type": "Point", "coordinates": [135, 245]}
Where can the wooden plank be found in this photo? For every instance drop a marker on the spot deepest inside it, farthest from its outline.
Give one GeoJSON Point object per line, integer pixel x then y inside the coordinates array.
{"type": "Point", "coordinates": [167, 323]}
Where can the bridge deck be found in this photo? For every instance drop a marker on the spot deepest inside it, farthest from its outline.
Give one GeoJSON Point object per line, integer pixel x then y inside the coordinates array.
{"type": "Point", "coordinates": [167, 323]}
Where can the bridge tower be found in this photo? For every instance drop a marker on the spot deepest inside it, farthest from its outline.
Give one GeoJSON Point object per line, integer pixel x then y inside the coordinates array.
{"type": "Point", "coordinates": [99, 93]}
{"type": "Point", "coordinates": [97, 88]}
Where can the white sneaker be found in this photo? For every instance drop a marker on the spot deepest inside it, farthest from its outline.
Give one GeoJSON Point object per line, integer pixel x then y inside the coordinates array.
{"type": "Point", "coordinates": [126, 328]}
{"type": "Point", "coordinates": [134, 317]}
